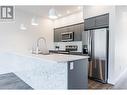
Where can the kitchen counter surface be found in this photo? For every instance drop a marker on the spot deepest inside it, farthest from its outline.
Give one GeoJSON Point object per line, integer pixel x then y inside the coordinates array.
{"type": "Point", "coordinates": [52, 57]}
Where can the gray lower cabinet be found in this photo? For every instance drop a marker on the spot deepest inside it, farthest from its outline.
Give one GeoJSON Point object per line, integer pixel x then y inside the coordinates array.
{"type": "Point", "coordinates": [78, 74]}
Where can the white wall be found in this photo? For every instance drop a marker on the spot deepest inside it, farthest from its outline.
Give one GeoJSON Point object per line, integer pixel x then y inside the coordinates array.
{"type": "Point", "coordinates": [90, 11]}
{"type": "Point", "coordinates": [121, 40]}
{"type": "Point", "coordinates": [14, 39]}
{"type": "Point", "coordinates": [47, 30]}
{"type": "Point", "coordinates": [69, 20]}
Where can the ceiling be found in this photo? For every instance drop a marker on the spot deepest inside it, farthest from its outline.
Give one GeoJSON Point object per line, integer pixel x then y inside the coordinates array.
{"type": "Point", "coordinates": [42, 11]}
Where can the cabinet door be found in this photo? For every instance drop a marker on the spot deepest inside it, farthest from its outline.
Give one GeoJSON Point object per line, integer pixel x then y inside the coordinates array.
{"type": "Point", "coordinates": [57, 35]}
{"type": "Point", "coordinates": [89, 23]}
{"type": "Point", "coordinates": [78, 74]}
{"type": "Point", "coordinates": [70, 28]}
{"type": "Point", "coordinates": [63, 30]}
{"type": "Point", "coordinates": [82, 27]}
{"type": "Point", "coordinates": [102, 21]}
{"type": "Point", "coordinates": [77, 33]}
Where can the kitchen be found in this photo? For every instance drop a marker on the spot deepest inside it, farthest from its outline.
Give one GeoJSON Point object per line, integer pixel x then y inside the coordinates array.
{"type": "Point", "coordinates": [70, 37]}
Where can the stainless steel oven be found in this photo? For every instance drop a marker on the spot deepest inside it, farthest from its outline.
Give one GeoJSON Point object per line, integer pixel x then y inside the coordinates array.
{"type": "Point", "coordinates": [67, 36]}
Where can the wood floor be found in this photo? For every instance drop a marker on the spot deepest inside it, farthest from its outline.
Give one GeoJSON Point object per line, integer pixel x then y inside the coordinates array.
{"type": "Point", "coordinates": [97, 85]}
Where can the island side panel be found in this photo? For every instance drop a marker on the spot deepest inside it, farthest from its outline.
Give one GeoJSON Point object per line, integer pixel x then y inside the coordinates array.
{"type": "Point", "coordinates": [41, 74]}
{"type": "Point", "coordinates": [78, 74]}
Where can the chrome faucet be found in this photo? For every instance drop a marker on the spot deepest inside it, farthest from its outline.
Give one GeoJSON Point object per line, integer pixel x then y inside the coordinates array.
{"type": "Point", "coordinates": [44, 48]}
{"type": "Point", "coordinates": [39, 40]}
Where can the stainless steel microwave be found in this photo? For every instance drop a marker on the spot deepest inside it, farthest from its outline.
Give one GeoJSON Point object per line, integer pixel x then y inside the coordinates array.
{"type": "Point", "coordinates": [67, 36]}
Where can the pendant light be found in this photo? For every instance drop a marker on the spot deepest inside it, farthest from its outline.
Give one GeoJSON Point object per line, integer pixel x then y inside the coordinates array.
{"type": "Point", "coordinates": [53, 13]}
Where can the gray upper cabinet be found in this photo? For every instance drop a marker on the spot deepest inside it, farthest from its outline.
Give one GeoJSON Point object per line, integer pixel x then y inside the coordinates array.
{"type": "Point", "coordinates": [97, 22]}
{"type": "Point", "coordinates": [63, 30]}
{"type": "Point", "coordinates": [82, 27]}
{"type": "Point", "coordinates": [76, 28]}
{"type": "Point", "coordinates": [77, 33]}
{"type": "Point", "coordinates": [70, 28]}
{"type": "Point", "coordinates": [102, 21]}
{"type": "Point", "coordinates": [57, 35]}
{"type": "Point", "coordinates": [90, 23]}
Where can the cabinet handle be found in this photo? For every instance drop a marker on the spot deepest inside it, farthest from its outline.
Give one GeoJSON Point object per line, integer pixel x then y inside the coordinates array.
{"type": "Point", "coordinates": [71, 65]}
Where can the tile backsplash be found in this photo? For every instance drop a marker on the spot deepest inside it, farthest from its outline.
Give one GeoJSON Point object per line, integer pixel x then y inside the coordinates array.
{"type": "Point", "coordinates": [62, 45]}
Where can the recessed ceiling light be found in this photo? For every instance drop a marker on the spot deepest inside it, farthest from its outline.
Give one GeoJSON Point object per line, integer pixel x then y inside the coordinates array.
{"type": "Point", "coordinates": [68, 12]}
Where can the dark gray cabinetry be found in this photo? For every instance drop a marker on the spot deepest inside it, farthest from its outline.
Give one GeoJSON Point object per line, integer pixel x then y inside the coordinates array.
{"type": "Point", "coordinates": [78, 74]}
{"type": "Point", "coordinates": [102, 21]}
{"type": "Point", "coordinates": [70, 28]}
{"type": "Point", "coordinates": [82, 27]}
{"type": "Point", "coordinates": [89, 23]}
{"type": "Point", "coordinates": [63, 30]}
{"type": "Point", "coordinates": [57, 35]}
{"type": "Point", "coordinates": [97, 22]}
{"type": "Point", "coordinates": [77, 33]}
{"type": "Point", "coordinates": [76, 28]}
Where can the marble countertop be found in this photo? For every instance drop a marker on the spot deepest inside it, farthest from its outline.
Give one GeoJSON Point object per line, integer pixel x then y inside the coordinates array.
{"type": "Point", "coordinates": [52, 57]}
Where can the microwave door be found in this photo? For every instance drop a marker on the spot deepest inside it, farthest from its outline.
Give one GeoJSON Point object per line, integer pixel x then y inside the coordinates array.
{"type": "Point", "coordinates": [67, 36]}
{"type": "Point", "coordinates": [64, 36]}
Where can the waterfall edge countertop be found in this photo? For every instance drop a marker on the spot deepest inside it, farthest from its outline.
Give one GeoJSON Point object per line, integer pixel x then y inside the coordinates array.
{"type": "Point", "coordinates": [53, 57]}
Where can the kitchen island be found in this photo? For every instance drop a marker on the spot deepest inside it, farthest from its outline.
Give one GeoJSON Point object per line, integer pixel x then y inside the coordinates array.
{"type": "Point", "coordinates": [53, 71]}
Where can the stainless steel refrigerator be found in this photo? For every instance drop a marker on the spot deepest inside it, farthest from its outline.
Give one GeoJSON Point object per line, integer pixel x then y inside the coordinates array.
{"type": "Point", "coordinates": [95, 42]}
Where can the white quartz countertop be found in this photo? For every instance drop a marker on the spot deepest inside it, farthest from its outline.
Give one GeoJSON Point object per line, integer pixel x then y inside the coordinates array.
{"type": "Point", "coordinates": [53, 57]}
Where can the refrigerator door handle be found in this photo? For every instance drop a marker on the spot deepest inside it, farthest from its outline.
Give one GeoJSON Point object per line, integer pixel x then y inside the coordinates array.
{"type": "Point", "coordinates": [89, 44]}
